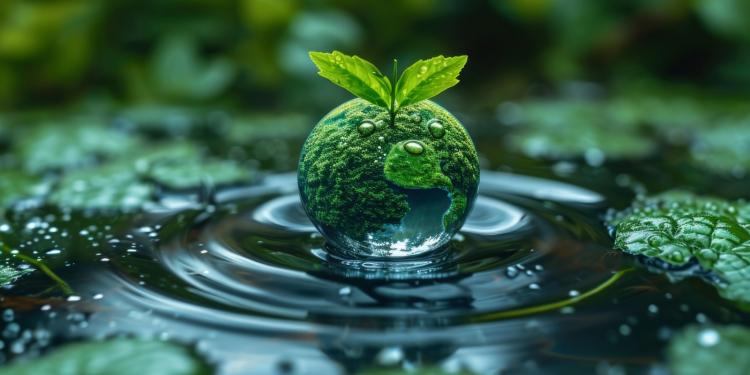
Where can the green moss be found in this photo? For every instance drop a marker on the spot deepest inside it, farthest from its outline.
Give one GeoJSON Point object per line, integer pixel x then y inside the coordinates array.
{"type": "Point", "coordinates": [347, 183]}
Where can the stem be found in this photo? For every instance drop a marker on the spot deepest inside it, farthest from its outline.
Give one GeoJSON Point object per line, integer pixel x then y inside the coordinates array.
{"type": "Point", "coordinates": [42, 267]}
{"type": "Point", "coordinates": [552, 305]}
{"type": "Point", "coordinates": [393, 92]}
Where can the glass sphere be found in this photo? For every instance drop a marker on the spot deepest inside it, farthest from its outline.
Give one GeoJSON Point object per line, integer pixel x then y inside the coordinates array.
{"type": "Point", "coordinates": [382, 188]}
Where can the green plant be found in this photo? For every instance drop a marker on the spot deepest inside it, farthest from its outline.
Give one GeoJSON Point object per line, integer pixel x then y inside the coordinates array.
{"type": "Point", "coordinates": [422, 80]}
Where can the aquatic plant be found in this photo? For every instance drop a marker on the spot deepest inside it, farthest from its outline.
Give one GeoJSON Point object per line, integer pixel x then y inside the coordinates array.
{"type": "Point", "coordinates": [703, 235]}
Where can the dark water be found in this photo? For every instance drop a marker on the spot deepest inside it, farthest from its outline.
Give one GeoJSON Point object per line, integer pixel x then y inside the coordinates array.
{"type": "Point", "coordinates": [530, 285]}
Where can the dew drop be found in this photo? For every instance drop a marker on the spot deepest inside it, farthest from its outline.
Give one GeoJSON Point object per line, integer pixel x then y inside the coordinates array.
{"type": "Point", "coordinates": [708, 337]}
{"type": "Point", "coordinates": [436, 129]}
{"type": "Point", "coordinates": [414, 148]}
{"type": "Point", "coordinates": [366, 128]}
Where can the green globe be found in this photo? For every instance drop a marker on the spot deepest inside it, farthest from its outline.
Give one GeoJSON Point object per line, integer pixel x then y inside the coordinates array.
{"type": "Point", "coordinates": [382, 187]}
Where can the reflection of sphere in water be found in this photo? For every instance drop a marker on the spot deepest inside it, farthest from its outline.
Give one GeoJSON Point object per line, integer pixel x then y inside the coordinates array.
{"type": "Point", "coordinates": [388, 189]}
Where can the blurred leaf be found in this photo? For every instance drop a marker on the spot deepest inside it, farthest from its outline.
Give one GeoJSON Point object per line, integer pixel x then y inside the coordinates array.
{"type": "Point", "coordinates": [354, 74]}
{"type": "Point", "coordinates": [15, 185]}
{"type": "Point", "coordinates": [427, 78]}
{"type": "Point", "coordinates": [179, 73]}
{"type": "Point", "coordinates": [114, 357]}
{"type": "Point", "coordinates": [113, 186]}
{"type": "Point", "coordinates": [710, 349]}
{"type": "Point", "coordinates": [71, 144]}
{"type": "Point", "coordinates": [729, 17]}
{"type": "Point", "coordinates": [186, 174]}
{"type": "Point", "coordinates": [723, 148]}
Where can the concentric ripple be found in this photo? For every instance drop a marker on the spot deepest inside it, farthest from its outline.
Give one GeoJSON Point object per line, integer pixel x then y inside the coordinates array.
{"type": "Point", "coordinates": [254, 273]}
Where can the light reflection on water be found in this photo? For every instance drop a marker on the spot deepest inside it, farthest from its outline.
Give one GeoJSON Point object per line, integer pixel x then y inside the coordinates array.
{"type": "Point", "coordinates": [254, 286]}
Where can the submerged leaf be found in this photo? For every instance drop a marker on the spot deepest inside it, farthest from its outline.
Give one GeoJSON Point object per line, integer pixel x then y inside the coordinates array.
{"type": "Point", "coordinates": [354, 74]}
{"type": "Point", "coordinates": [115, 357]}
{"type": "Point", "coordinates": [679, 228]}
{"type": "Point", "coordinates": [716, 350]}
{"type": "Point", "coordinates": [427, 78]}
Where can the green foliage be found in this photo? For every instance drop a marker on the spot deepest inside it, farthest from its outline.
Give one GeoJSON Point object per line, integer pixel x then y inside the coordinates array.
{"type": "Point", "coordinates": [427, 78]}
{"type": "Point", "coordinates": [421, 81]}
{"type": "Point", "coordinates": [9, 275]}
{"type": "Point", "coordinates": [719, 350]}
{"type": "Point", "coordinates": [354, 74]}
{"type": "Point", "coordinates": [114, 357]}
{"type": "Point", "coordinates": [71, 143]}
{"type": "Point", "coordinates": [111, 186]}
{"type": "Point", "coordinates": [15, 185]}
{"type": "Point", "coordinates": [679, 228]}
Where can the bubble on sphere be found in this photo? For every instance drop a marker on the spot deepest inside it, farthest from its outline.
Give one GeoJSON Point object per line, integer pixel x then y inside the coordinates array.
{"type": "Point", "coordinates": [388, 189]}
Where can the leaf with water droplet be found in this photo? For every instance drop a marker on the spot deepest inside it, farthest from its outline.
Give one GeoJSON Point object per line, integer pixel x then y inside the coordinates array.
{"type": "Point", "coordinates": [114, 357]}
{"type": "Point", "coordinates": [9, 275]}
{"type": "Point", "coordinates": [354, 74]}
{"type": "Point", "coordinates": [679, 229]}
{"type": "Point", "coordinates": [709, 349]}
{"type": "Point", "coordinates": [427, 78]}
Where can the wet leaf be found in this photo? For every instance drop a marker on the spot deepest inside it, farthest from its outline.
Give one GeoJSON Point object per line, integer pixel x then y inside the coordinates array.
{"type": "Point", "coordinates": [569, 129]}
{"type": "Point", "coordinates": [724, 149]}
{"type": "Point", "coordinates": [65, 146]}
{"type": "Point", "coordinates": [112, 186]}
{"type": "Point", "coordinates": [9, 274]}
{"type": "Point", "coordinates": [719, 350]}
{"type": "Point", "coordinates": [188, 174]}
{"type": "Point", "coordinates": [15, 185]}
{"type": "Point", "coordinates": [114, 357]}
{"type": "Point", "coordinates": [681, 229]}
{"type": "Point", "coordinates": [354, 74]}
{"type": "Point", "coordinates": [427, 78]}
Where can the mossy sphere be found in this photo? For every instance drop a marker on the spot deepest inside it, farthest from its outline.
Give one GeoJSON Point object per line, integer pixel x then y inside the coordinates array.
{"type": "Point", "coordinates": [388, 189]}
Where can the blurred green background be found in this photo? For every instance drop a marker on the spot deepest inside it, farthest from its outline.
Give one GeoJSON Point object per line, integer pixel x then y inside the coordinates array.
{"type": "Point", "coordinates": [252, 54]}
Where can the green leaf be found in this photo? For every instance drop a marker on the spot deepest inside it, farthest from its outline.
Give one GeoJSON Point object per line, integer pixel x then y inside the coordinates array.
{"type": "Point", "coordinates": [111, 186]}
{"type": "Point", "coordinates": [427, 78]}
{"type": "Point", "coordinates": [354, 74]}
{"type": "Point", "coordinates": [720, 350]}
{"type": "Point", "coordinates": [115, 357]}
{"type": "Point", "coordinates": [680, 229]}
{"type": "Point", "coordinates": [9, 275]}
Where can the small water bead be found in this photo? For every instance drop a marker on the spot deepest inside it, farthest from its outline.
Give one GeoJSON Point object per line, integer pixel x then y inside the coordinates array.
{"type": "Point", "coordinates": [413, 147]}
{"type": "Point", "coordinates": [379, 125]}
{"type": "Point", "coordinates": [366, 128]}
{"type": "Point", "coordinates": [436, 129]}
{"type": "Point", "coordinates": [416, 118]}
{"type": "Point", "coordinates": [708, 337]}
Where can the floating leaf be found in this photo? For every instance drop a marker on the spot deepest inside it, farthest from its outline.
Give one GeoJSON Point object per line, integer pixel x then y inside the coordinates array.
{"type": "Point", "coordinates": [354, 74]}
{"type": "Point", "coordinates": [195, 173]}
{"type": "Point", "coordinates": [720, 350]}
{"type": "Point", "coordinates": [115, 357]}
{"type": "Point", "coordinates": [113, 186]}
{"type": "Point", "coordinates": [567, 129]}
{"type": "Point", "coordinates": [68, 145]}
{"type": "Point", "coordinates": [427, 78]}
{"type": "Point", "coordinates": [680, 229]}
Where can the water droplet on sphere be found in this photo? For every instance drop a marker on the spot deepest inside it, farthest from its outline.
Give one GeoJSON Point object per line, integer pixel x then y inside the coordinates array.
{"type": "Point", "coordinates": [436, 129]}
{"type": "Point", "coordinates": [366, 128]}
{"type": "Point", "coordinates": [414, 148]}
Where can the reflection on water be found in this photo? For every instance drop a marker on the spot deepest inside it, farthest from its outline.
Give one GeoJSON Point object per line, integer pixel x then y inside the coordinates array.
{"type": "Point", "coordinates": [520, 289]}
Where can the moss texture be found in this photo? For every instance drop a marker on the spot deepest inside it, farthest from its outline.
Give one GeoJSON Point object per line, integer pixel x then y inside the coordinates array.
{"type": "Point", "coordinates": [350, 181]}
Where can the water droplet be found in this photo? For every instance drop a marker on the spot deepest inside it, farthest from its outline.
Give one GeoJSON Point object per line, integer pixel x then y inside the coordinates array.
{"type": "Point", "coordinates": [708, 337]}
{"type": "Point", "coordinates": [74, 298]}
{"type": "Point", "coordinates": [574, 293]}
{"type": "Point", "coordinates": [534, 286]}
{"type": "Point", "coordinates": [422, 69]}
{"type": "Point", "coordinates": [8, 315]}
{"type": "Point", "coordinates": [413, 147]}
{"type": "Point", "coordinates": [416, 118]}
{"type": "Point", "coordinates": [436, 129]}
{"type": "Point", "coordinates": [380, 124]}
{"type": "Point", "coordinates": [54, 252]}
{"type": "Point", "coordinates": [625, 330]}
{"type": "Point", "coordinates": [511, 272]}
{"type": "Point", "coordinates": [390, 356]}
{"type": "Point", "coordinates": [653, 309]}
{"type": "Point", "coordinates": [366, 128]}
{"type": "Point", "coordinates": [345, 291]}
